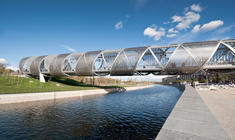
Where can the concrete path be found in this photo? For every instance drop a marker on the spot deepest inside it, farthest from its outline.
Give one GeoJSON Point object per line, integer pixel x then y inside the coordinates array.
{"type": "Point", "coordinates": [221, 102]}
{"type": "Point", "coordinates": [191, 120]}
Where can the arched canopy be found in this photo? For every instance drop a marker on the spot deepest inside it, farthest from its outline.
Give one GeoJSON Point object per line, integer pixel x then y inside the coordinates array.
{"type": "Point", "coordinates": [201, 51]}
{"type": "Point", "coordinates": [104, 62]}
{"type": "Point", "coordinates": [56, 67]}
{"type": "Point", "coordinates": [34, 67]}
{"type": "Point", "coordinates": [70, 62]}
{"type": "Point", "coordinates": [44, 65]}
{"type": "Point", "coordinates": [22, 63]}
{"type": "Point", "coordinates": [148, 62]}
{"type": "Point", "coordinates": [127, 60]}
{"type": "Point", "coordinates": [181, 61]}
{"type": "Point", "coordinates": [27, 64]}
{"type": "Point", "coordinates": [223, 57]}
{"type": "Point", "coordinates": [186, 58]}
{"type": "Point", "coordinates": [84, 65]}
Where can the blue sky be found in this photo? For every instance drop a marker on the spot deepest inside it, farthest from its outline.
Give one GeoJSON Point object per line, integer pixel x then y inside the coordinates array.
{"type": "Point", "coordinates": [39, 27]}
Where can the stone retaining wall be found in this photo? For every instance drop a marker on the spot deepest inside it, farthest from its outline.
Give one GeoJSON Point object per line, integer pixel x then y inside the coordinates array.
{"type": "Point", "coordinates": [26, 97]}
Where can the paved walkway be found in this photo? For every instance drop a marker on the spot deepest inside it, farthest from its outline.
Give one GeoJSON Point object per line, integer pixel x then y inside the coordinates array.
{"type": "Point", "coordinates": [221, 102]}
{"type": "Point", "coordinates": [191, 120]}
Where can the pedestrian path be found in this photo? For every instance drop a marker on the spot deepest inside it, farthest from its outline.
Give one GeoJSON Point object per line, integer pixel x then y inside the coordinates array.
{"type": "Point", "coordinates": [191, 119]}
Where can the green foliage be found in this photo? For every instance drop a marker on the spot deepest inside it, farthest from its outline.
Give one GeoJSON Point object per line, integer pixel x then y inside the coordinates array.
{"type": "Point", "coordinates": [14, 84]}
{"type": "Point", "coordinates": [203, 80]}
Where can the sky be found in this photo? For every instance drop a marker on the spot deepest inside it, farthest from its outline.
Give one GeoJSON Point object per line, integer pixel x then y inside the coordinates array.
{"type": "Point", "coordinates": [42, 27]}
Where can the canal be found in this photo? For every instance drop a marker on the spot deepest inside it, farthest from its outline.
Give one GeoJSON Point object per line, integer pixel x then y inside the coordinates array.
{"type": "Point", "coordinates": [130, 115]}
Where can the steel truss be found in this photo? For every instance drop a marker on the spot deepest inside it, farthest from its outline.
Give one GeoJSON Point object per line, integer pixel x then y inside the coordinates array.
{"type": "Point", "coordinates": [186, 58]}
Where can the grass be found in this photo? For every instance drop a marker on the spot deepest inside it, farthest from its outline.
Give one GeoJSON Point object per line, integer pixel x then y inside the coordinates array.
{"type": "Point", "coordinates": [13, 84]}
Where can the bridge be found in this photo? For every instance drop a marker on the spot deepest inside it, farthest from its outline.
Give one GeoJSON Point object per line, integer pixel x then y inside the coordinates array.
{"type": "Point", "coordinates": [186, 58]}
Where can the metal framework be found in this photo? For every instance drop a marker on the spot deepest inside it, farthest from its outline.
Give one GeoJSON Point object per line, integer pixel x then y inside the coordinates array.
{"type": "Point", "coordinates": [186, 58]}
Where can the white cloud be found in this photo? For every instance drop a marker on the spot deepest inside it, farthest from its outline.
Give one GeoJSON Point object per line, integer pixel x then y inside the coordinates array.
{"type": "Point", "coordinates": [196, 7]}
{"type": "Point", "coordinates": [212, 25]}
{"type": "Point", "coordinates": [191, 15]}
{"type": "Point", "coordinates": [196, 28]}
{"type": "Point", "coordinates": [119, 25]}
{"type": "Point", "coordinates": [68, 48]}
{"type": "Point", "coordinates": [208, 26]}
{"type": "Point", "coordinates": [8, 66]}
{"type": "Point", "coordinates": [11, 67]}
{"type": "Point", "coordinates": [225, 29]}
{"type": "Point", "coordinates": [172, 30]}
{"type": "Point", "coordinates": [170, 35]}
{"type": "Point", "coordinates": [187, 20]}
{"type": "Point", "coordinates": [177, 18]}
{"type": "Point", "coordinates": [3, 61]}
{"type": "Point", "coordinates": [154, 33]}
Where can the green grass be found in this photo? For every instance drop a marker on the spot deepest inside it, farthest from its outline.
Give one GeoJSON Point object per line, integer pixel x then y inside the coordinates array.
{"type": "Point", "coordinates": [12, 84]}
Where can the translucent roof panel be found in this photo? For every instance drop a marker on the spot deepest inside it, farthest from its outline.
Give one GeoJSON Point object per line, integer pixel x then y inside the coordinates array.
{"type": "Point", "coordinates": [100, 64]}
{"type": "Point", "coordinates": [22, 64]}
{"type": "Point", "coordinates": [84, 66]}
{"type": "Point", "coordinates": [182, 62]}
{"type": "Point", "coordinates": [26, 67]}
{"type": "Point", "coordinates": [45, 63]}
{"type": "Point", "coordinates": [148, 62]}
{"type": "Point", "coordinates": [70, 62]}
{"type": "Point", "coordinates": [186, 58]}
{"type": "Point", "coordinates": [126, 62]}
{"type": "Point", "coordinates": [223, 57]}
{"type": "Point", "coordinates": [57, 65]}
{"type": "Point", "coordinates": [163, 54]}
{"type": "Point", "coordinates": [201, 51]}
{"type": "Point", "coordinates": [104, 62]}
{"type": "Point", "coordinates": [34, 67]}
{"type": "Point", "coordinates": [110, 56]}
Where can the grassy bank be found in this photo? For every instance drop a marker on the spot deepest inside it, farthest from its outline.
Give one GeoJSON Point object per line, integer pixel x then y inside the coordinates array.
{"type": "Point", "coordinates": [13, 84]}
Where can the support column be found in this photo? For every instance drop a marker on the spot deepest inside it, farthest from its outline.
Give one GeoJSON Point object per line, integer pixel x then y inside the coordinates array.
{"type": "Point", "coordinates": [41, 78]}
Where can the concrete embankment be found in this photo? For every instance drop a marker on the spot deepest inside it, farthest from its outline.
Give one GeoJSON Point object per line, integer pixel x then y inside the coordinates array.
{"type": "Point", "coordinates": [191, 119]}
{"type": "Point", "coordinates": [26, 97]}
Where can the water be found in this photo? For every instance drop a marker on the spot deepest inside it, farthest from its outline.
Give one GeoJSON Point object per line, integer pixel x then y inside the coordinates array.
{"type": "Point", "coordinates": [130, 115]}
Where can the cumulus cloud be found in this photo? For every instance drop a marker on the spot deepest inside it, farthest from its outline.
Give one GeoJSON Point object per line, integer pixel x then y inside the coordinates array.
{"type": "Point", "coordinates": [177, 18]}
{"type": "Point", "coordinates": [119, 25]}
{"type": "Point", "coordinates": [68, 48]}
{"type": "Point", "coordinates": [208, 26]}
{"type": "Point", "coordinates": [196, 7]}
{"type": "Point", "coordinates": [212, 25]}
{"type": "Point", "coordinates": [185, 21]}
{"type": "Point", "coordinates": [170, 35]}
{"type": "Point", "coordinates": [196, 28]}
{"type": "Point", "coordinates": [172, 30]}
{"type": "Point", "coordinates": [3, 61]}
{"type": "Point", "coordinates": [8, 66]}
{"type": "Point", "coordinates": [191, 15]}
{"type": "Point", "coordinates": [11, 67]}
{"type": "Point", "coordinates": [154, 33]}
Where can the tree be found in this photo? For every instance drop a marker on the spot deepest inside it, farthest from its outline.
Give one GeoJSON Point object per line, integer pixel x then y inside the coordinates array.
{"type": "Point", "coordinates": [2, 68]}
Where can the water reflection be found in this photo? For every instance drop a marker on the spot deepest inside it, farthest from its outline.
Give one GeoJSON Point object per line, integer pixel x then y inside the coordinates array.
{"type": "Point", "coordinates": [130, 115]}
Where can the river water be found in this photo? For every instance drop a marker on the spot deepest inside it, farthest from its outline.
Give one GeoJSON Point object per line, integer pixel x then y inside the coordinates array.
{"type": "Point", "coordinates": [130, 115]}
